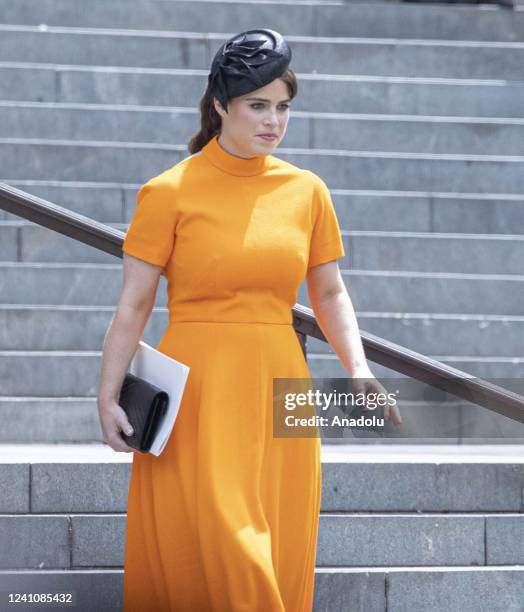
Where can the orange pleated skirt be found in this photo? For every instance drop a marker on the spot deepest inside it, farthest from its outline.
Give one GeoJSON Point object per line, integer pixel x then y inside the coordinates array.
{"type": "Point", "coordinates": [226, 518]}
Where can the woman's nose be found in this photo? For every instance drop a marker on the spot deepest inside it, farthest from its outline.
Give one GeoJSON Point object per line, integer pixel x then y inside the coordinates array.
{"type": "Point", "coordinates": [271, 119]}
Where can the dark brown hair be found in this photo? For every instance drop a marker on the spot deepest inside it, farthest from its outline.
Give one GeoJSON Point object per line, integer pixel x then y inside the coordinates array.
{"type": "Point", "coordinates": [210, 120]}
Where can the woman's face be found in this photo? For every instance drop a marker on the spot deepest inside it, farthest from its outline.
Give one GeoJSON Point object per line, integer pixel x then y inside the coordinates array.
{"type": "Point", "coordinates": [263, 111]}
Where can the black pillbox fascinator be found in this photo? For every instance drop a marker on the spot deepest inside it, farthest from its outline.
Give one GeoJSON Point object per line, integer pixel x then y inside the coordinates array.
{"type": "Point", "coordinates": [246, 62]}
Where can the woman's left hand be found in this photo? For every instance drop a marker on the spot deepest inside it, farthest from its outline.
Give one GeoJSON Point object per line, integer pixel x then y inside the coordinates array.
{"type": "Point", "coordinates": [364, 382]}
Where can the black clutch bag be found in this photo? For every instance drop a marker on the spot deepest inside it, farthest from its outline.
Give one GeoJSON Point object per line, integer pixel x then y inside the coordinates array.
{"type": "Point", "coordinates": [145, 405]}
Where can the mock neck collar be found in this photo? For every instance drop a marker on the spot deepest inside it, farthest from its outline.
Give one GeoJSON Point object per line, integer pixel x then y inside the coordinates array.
{"type": "Point", "coordinates": [232, 164]}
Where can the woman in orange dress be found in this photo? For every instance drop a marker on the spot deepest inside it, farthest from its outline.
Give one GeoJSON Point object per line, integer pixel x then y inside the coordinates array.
{"type": "Point", "coordinates": [226, 518]}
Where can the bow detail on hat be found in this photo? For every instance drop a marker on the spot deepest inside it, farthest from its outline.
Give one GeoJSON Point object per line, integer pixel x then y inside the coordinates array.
{"type": "Point", "coordinates": [239, 59]}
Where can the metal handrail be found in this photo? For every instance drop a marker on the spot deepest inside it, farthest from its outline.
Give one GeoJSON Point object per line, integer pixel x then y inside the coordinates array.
{"type": "Point", "coordinates": [386, 353]}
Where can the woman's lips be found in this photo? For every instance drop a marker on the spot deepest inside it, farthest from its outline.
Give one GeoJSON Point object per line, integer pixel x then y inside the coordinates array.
{"type": "Point", "coordinates": [269, 138]}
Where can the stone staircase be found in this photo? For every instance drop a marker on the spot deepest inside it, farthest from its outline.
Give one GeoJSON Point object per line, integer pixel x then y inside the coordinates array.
{"type": "Point", "coordinates": [422, 538]}
{"type": "Point", "coordinates": [413, 114]}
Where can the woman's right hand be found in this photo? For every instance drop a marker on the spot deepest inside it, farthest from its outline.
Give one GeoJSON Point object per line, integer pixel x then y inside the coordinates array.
{"type": "Point", "coordinates": [113, 420]}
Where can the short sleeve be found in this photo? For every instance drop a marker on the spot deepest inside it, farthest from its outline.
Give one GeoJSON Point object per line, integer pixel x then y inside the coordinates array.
{"type": "Point", "coordinates": [326, 242]}
{"type": "Point", "coordinates": [151, 233]}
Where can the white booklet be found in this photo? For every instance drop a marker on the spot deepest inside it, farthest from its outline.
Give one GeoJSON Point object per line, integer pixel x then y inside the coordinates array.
{"type": "Point", "coordinates": [167, 374]}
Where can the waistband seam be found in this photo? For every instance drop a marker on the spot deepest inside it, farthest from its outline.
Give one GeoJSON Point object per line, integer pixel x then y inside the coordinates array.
{"type": "Point", "coordinates": [242, 322]}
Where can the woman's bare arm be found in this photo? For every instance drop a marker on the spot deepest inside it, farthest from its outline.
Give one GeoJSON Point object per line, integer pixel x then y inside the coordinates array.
{"type": "Point", "coordinates": [135, 304]}
{"type": "Point", "coordinates": [336, 316]}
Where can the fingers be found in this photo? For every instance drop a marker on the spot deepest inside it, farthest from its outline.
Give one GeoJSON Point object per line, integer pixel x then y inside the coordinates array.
{"type": "Point", "coordinates": [117, 443]}
{"type": "Point", "coordinates": [113, 422]}
{"type": "Point", "coordinates": [125, 426]}
{"type": "Point", "coordinates": [370, 385]}
{"type": "Point", "coordinates": [118, 440]}
{"type": "Point", "coordinates": [391, 412]}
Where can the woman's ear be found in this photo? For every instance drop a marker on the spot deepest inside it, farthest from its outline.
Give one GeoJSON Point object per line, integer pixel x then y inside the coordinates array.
{"type": "Point", "coordinates": [218, 107]}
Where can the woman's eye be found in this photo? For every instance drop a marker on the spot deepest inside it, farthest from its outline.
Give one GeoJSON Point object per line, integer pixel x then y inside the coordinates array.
{"type": "Point", "coordinates": [259, 104]}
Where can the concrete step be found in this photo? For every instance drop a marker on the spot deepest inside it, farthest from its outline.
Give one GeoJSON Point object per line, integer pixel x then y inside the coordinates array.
{"type": "Point", "coordinates": [370, 19]}
{"type": "Point", "coordinates": [130, 162]}
{"type": "Point", "coordinates": [174, 49]}
{"type": "Point", "coordinates": [22, 241]}
{"type": "Point", "coordinates": [69, 478]}
{"type": "Point", "coordinates": [104, 202]}
{"type": "Point", "coordinates": [33, 327]}
{"type": "Point", "coordinates": [434, 505]}
{"type": "Point", "coordinates": [365, 132]}
{"type": "Point", "coordinates": [394, 291]}
{"type": "Point", "coordinates": [494, 369]}
{"type": "Point", "coordinates": [77, 373]}
{"type": "Point", "coordinates": [344, 540]}
{"type": "Point", "coordinates": [49, 420]}
{"type": "Point", "coordinates": [99, 589]}
{"type": "Point", "coordinates": [474, 335]}
{"type": "Point", "coordinates": [444, 293]}
{"type": "Point", "coordinates": [317, 92]}
{"type": "Point", "coordinates": [360, 210]}
{"type": "Point", "coordinates": [59, 420]}
{"type": "Point", "coordinates": [471, 589]}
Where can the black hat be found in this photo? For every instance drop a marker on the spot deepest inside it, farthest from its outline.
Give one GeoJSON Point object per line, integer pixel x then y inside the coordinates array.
{"type": "Point", "coordinates": [247, 62]}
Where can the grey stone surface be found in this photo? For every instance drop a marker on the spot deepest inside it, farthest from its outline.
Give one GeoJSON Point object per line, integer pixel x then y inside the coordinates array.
{"type": "Point", "coordinates": [477, 422]}
{"type": "Point", "coordinates": [186, 16]}
{"type": "Point", "coordinates": [486, 368]}
{"type": "Point", "coordinates": [30, 83]}
{"type": "Point", "coordinates": [33, 327]}
{"type": "Point", "coordinates": [467, 590]}
{"type": "Point", "coordinates": [419, 20]}
{"type": "Point", "coordinates": [49, 420]}
{"type": "Point", "coordinates": [132, 86]}
{"type": "Point", "coordinates": [340, 169]}
{"type": "Point", "coordinates": [43, 329]}
{"type": "Point", "coordinates": [9, 243]}
{"type": "Point", "coordinates": [103, 48]}
{"type": "Point", "coordinates": [99, 285]}
{"type": "Point", "coordinates": [169, 126]}
{"type": "Point", "coordinates": [317, 91]}
{"type": "Point", "coordinates": [475, 335]}
{"type": "Point", "coordinates": [98, 540]}
{"type": "Point", "coordinates": [14, 484]}
{"type": "Point", "coordinates": [79, 487]}
{"type": "Point", "coordinates": [27, 241]}
{"type": "Point", "coordinates": [393, 19]}
{"type": "Point", "coordinates": [99, 589]}
{"type": "Point", "coordinates": [349, 591]}
{"type": "Point", "coordinates": [428, 292]}
{"type": "Point", "coordinates": [406, 251]}
{"type": "Point", "coordinates": [91, 487]}
{"type": "Point", "coordinates": [440, 135]}
{"type": "Point", "coordinates": [451, 487]}
{"type": "Point", "coordinates": [433, 253]}
{"type": "Point", "coordinates": [51, 375]}
{"type": "Point", "coordinates": [76, 420]}
{"type": "Point", "coordinates": [77, 284]}
{"type": "Point", "coordinates": [196, 50]}
{"type": "Point", "coordinates": [34, 542]}
{"type": "Point", "coordinates": [338, 589]}
{"type": "Point", "coordinates": [505, 540]}
{"type": "Point", "coordinates": [104, 203]}
{"type": "Point", "coordinates": [416, 134]}
{"type": "Point", "coordinates": [400, 540]}
{"type": "Point", "coordinates": [356, 210]}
